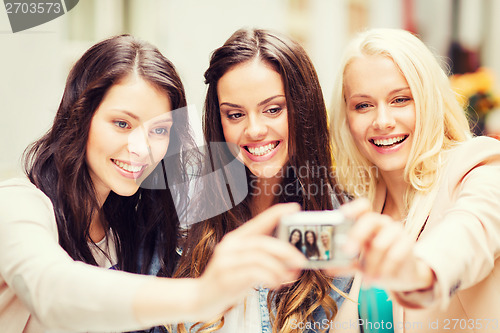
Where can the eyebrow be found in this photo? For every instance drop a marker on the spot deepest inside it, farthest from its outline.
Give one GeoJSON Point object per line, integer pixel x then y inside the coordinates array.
{"type": "Point", "coordinates": [161, 121]}
{"type": "Point", "coordinates": [267, 100]}
{"type": "Point", "coordinates": [135, 117]}
{"type": "Point", "coordinates": [130, 114]}
{"type": "Point", "coordinates": [390, 93]}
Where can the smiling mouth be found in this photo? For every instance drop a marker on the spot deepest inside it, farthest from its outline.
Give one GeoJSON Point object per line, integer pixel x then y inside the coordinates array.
{"type": "Point", "coordinates": [387, 143]}
{"type": "Point", "coordinates": [128, 167]}
{"type": "Point", "coordinates": [262, 150]}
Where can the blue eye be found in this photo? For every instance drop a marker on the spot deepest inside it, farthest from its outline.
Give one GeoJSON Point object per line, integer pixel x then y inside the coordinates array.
{"type": "Point", "coordinates": [160, 131]}
{"type": "Point", "coordinates": [361, 106]}
{"type": "Point", "coordinates": [122, 124]}
{"type": "Point", "coordinates": [401, 100]}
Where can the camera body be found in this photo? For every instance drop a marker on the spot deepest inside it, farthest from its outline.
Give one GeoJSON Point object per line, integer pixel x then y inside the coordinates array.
{"type": "Point", "coordinates": [320, 235]}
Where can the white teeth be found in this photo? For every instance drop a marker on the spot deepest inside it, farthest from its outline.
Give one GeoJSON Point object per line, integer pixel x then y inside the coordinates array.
{"type": "Point", "coordinates": [262, 150]}
{"type": "Point", "coordinates": [128, 167]}
{"type": "Point", "coordinates": [389, 142]}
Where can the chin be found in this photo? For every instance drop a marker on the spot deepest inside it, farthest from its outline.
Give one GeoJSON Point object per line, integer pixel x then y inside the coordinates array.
{"type": "Point", "coordinates": [266, 172]}
{"type": "Point", "coordinates": [126, 191]}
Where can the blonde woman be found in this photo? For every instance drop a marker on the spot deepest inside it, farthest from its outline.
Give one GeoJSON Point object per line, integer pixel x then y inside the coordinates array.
{"type": "Point", "coordinates": [432, 234]}
{"type": "Point", "coordinates": [325, 245]}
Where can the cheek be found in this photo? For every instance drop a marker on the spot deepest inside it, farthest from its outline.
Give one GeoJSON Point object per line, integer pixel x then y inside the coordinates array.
{"type": "Point", "coordinates": [356, 127]}
{"type": "Point", "coordinates": [95, 141]}
{"type": "Point", "coordinates": [159, 149]}
{"type": "Point", "coordinates": [284, 126]}
{"type": "Point", "coordinates": [412, 119]}
{"type": "Point", "coordinates": [230, 132]}
{"type": "Point", "coordinates": [285, 133]}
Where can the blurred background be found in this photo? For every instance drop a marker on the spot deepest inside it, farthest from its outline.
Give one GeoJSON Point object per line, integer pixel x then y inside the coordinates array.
{"type": "Point", "coordinates": [34, 63]}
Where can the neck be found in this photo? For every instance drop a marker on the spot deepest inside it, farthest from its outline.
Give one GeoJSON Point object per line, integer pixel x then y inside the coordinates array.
{"type": "Point", "coordinates": [96, 229]}
{"type": "Point", "coordinates": [394, 197]}
{"type": "Point", "coordinates": [102, 195]}
{"type": "Point", "coordinates": [263, 194]}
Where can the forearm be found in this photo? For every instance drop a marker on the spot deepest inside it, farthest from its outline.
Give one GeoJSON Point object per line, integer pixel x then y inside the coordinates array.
{"type": "Point", "coordinates": [163, 301]}
{"type": "Point", "coordinates": [86, 299]}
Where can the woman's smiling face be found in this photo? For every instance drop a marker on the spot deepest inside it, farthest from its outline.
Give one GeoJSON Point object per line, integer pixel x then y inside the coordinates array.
{"type": "Point", "coordinates": [295, 237]}
{"type": "Point", "coordinates": [129, 134]}
{"type": "Point", "coordinates": [310, 237]}
{"type": "Point", "coordinates": [380, 111]}
{"type": "Point", "coordinates": [254, 116]}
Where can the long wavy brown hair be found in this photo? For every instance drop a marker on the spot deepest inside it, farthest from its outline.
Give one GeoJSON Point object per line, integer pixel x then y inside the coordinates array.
{"type": "Point", "coordinates": [309, 166]}
{"type": "Point", "coordinates": [56, 163]}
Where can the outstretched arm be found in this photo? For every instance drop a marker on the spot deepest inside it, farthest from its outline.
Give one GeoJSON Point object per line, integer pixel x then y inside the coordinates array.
{"type": "Point", "coordinates": [40, 278]}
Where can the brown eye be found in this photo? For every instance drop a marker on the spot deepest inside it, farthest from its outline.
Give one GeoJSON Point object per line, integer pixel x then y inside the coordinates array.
{"type": "Point", "coordinates": [274, 110]}
{"type": "Point", "coordinates": [235, 115]}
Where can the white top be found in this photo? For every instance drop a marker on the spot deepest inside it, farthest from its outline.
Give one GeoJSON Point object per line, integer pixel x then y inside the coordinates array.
{"type": "Point", "coordinates": [244, 317]}
{"type": "Point", "coordinates": [39, 279]}
{"type": "Point", "coordinates": [104, 252]}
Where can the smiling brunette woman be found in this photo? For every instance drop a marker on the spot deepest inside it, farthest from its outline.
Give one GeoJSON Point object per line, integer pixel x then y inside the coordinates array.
{"type": "Point", "coordinates": [296, 239]}
{"type": "Point", "coordinates": [122, 110]}
{"type": "Point", "coordinates": [264, 100]}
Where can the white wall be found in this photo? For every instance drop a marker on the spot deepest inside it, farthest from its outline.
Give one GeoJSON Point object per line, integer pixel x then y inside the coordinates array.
{"type": "Point", "coordinates": [491, 52]}
{"type": "Point", "coordinates": [190, 30]}
{"type": "Point", "coordinates": [31, 83]}
{"type": "Point", "coordinates": [34, 64]}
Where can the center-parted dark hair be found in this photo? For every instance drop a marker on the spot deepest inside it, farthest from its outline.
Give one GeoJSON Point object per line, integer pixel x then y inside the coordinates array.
{"type": "Point", "coordinates": [312, 250]}
{"type": "Point", "coordinates": [310, 166]}
{"type": "Point", "coordinates": [298, 245]}
{"type": "Point", "coordinates": [56, 163]}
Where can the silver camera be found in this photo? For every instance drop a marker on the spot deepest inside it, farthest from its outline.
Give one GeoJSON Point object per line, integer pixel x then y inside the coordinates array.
{"type": "Point", "coordinates": [319, 235]}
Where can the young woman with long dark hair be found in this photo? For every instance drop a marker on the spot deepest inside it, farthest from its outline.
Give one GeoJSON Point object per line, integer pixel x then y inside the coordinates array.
{"type": "Point", "coordinates": [82, 207]}
{"type": "Point", "coordinates": [311, 245]}
{"type": "Point", "coordinates": [296, 239]}
{"type": "Point", "coordinates": [265, 102]}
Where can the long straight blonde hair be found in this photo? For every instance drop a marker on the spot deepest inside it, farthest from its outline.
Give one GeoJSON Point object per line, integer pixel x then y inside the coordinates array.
{"type": "Point", "coordinates": [440, 120]}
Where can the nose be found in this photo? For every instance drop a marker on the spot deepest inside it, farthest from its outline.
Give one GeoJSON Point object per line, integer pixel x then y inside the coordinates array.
{"type": "Point", "coordinates": [256, 128]}
{"type": "Point", "coordinates": [384, 118]}
{"type": "Point", "coordinates": [138, 143]}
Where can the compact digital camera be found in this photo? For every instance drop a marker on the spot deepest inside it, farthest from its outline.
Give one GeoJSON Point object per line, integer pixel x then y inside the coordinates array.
{"type": "Point", "coordinates": [320, 235]}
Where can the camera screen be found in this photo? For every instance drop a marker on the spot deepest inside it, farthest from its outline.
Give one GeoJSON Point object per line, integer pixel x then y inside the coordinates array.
{"type": "Point", "coordinates": [319, 235]}
{"type": "Point", "coordinates": [316, 242]}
